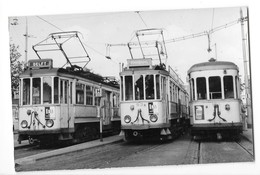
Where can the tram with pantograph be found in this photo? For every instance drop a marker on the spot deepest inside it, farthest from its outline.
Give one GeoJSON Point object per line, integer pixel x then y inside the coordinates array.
{"type": "Point", "coordinates": [154, 101]}
{"type": "Point", "coordinates": [215, 99]}
{"type": "Point", "coordinates": [58, 104]}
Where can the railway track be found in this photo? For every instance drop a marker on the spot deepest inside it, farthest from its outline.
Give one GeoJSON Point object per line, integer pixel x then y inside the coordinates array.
{"type": "Point", "coordinates": [208, 151]}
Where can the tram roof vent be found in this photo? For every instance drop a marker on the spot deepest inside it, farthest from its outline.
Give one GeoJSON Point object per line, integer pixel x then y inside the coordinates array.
{"type": "Point", "coordinates": [137, 63]}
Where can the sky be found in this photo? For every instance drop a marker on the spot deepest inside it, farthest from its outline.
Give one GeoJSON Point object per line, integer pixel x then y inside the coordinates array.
{"type": "Point", "coordinates": [111, 22]}
{"type": "Point", "coordinates": [100, 29]}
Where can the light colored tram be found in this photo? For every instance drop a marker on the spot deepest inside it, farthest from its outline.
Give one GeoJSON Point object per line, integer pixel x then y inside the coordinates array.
{"type": "Point", "coordinates": [154, 102]}
{"type": "Point", "coordinates": [60, 104]}
{"type": "Point", "coordinates": [215, 100]}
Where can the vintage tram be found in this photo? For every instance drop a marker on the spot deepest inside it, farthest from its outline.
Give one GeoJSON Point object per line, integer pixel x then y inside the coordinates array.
{"type": "Point", "coordinates": [215, 100]}
{"type": "Point", "coordinates": [154, 102]}
{"type": "Point", "coordinates": [62, 103]}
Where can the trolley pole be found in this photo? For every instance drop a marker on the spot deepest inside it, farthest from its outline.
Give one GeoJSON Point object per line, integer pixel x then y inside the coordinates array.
{"type": "Point", "coordinates": [248, 103]}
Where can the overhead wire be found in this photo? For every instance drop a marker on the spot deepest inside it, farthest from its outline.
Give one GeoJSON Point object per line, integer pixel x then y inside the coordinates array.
{"type": "Point", "coordinates": [138, 12]}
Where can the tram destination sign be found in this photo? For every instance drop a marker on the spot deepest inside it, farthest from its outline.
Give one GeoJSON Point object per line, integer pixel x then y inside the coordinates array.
{"type": "Point", "coordinates": [40, 64]}
{"type": "Point", "coordinates": [139, 62]}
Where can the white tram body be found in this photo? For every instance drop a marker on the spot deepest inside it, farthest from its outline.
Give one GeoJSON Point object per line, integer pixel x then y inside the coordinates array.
{"type": "Point", "coordinates": [60, 104]}
{"type": "Point", "coordinates": [215, 100]}
{"type": "Point", "coordinates": [154, 101]}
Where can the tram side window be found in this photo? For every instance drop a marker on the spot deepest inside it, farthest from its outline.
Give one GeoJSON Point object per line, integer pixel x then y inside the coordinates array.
{"type": "Point", "coordinates": [66, 92]}
{"type": "Point", "coordinates": [128, 88]}
{"type": "Point", "coordinates": [149, 87]}
{"type": "Point", "coordinates": [201, 88]}
{"type": "Point", "coordinates": [215, 88]}
{"type": "Point", "coordinates": [115, 100]}
{"type": "Point", "coordinates": [61, 92]}
{"type": "Point", "coordinates": [157, 79]}
{"type": "Point", "coordinates": [36, 91]}
{"type": "Point", "coordinates": [228, 87]}
{"type": "Point", "coordinates": [56, 90]}
{"type": "Point", "coordinates": [192, 89]}
{"type": "Point", "coordinates": [139, 87]}
{"type": "Point", "coordinates": [122, 87]}
{"type": "Point", "coordinates": [26, 91]}
{"type": "Point", "coordinates": [47, 84]}
{"type": "Point", "coordinates": [163, 84]}
{"type": "Point", "coordinates": [89, 95]}
{"type": "Point", "coordinates": [80, 93]}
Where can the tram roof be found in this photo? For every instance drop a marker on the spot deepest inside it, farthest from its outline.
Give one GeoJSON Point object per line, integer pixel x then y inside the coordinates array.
{"type": "Point", "coordinates": [212, 65]}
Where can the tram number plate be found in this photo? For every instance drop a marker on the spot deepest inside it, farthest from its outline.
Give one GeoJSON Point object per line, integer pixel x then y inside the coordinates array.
{"type": "Point", "coordinates": [150, 108]}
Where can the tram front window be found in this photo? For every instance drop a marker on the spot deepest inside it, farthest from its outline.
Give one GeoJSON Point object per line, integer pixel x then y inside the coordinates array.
{"type": "Point", "coordinates": [128, 88]}
{"type": "Point", "coordinates": [228, 87]}
{"type": "Point", "coordinates": [139, 87]}
{"type": "Point", "coordinates": [201, 88]}
{"type": "Point", "coordinates": [47, 84]}
{"type": "Point", "coordinates": [149, 87]}
{"type": "Point", "coordinates": [215, 88]}
{"type": "Point", "coordinates": [36, 91]}
{"type": "Point", "coordinates": [26, 91]}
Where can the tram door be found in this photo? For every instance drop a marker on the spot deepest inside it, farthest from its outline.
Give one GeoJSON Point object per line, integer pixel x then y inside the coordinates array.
{"type": "Point", "coordinates": [107, 108]}
{"type": "Point", "coordinates": [164, 98]}
{"type": "Point", "coordinates": [64, 103]}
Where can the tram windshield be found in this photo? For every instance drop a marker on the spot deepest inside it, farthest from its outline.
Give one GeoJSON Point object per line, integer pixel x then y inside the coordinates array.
{"type": "Point", "coordinates": [141, 87]}
{"type": "Point", "coordinates": [39, 90]}
{"type": "Point", "coordinates": [214, 89]}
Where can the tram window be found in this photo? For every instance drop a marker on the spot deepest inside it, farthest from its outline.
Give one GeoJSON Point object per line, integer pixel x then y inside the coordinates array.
{"type": "Point", "coordinates": [26, 91]}
{"type": "Point", "coordinates": [139, 87]}
{"type": "Point", "coordinates": [89, 95]}
{"type": "Point", "coordinates": [122, 88]}
{"type": "Point", "coordinates": [61, 91]}
{"type": "Point", "coordinates": [115, 100]}
{"type": "Point", "coordinates": [66, 94]}
{"type": "Point", "coordinates": [47, 84]}
{"type": "Point", "coordinates": [80, 93]}
{"type": "Point", "coordinates": [215, 88]}
{"type": "Point", "coordinates": [70, 92]}
{"type": "Point", "coordinates": [193, 89]}
{"type": "Point", "coordinates": [157, 79]}
{"type": "Point", "coordinates": [36, 91]}
{"type": "Point", "coordinates": [149, 87]}
{"type": "Point", "coordinates": [237, 83]}
{"type": "Point", "coordinates": [128, 88]}
{"type": "Point", "coordinates": [163, 84]}
{"type": "Point", "coordinates": [56, 90]}
{"type": "Point", "coordinates": [228, 87]}
{"type": "Point", "coordinates": [201, 88]}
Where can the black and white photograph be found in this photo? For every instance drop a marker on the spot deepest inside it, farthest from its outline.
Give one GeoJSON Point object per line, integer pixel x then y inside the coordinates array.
{"type": "Point", "coordinates": [137, 90]}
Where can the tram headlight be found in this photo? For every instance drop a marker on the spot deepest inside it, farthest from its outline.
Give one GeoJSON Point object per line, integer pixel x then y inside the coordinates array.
{"type": "Point", "coordinates": [227, 107]}
{"type": "Point", "coordinates": [199, 112]}
{"type": "Point", "coordinates": [29, 112]}
{"type": "Point", "coordinates": [153, 117]}
{"type": "Point", "coordinates": [24, 124]}
{"type": "Point", "coordinates": [132, 107]}
{"type": "Point", "coordinates": [49, 123]}
{"type": "Point", "coordinates": [127, 119]}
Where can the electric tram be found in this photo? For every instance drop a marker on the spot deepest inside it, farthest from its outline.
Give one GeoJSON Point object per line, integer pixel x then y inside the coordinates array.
{"type": "Point", "coordinates": [215, 99]}
{"type": "Point", "coordinates": [61, 103]}
{"type": "Point", "coordinates": [154, 101]}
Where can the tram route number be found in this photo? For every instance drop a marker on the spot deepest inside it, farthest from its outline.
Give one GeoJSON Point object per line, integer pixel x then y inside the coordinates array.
{"type": "Point", "coordinates": [150, 108]}
{"type": "Point", "coordinates": [48, 112]}
{"type": "Point", "coordinates": [98, 92]}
